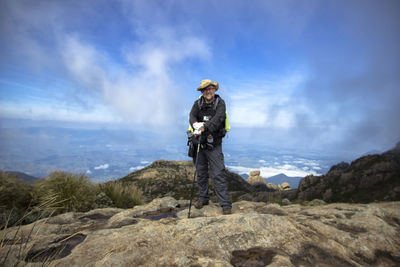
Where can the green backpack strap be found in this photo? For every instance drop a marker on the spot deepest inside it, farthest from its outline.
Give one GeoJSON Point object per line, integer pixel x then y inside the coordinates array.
{"type": "Point", "coordinates": [227, 125]}
{"type": "Point", "coordinates": [190, 128]}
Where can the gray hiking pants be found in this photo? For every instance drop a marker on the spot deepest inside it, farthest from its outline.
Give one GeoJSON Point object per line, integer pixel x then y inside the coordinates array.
{"type": "Point", "coordinates": [215, 160]}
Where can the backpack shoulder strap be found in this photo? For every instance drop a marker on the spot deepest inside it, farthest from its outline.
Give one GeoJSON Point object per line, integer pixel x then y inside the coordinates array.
{"type": "Point", "coordinates": [216, 102]}
{"type": "Point", "coordinates": [200, 102]}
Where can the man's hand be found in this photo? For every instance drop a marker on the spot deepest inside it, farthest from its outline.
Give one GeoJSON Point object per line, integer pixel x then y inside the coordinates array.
{"type": "Point", "coordinates": [198, 128]}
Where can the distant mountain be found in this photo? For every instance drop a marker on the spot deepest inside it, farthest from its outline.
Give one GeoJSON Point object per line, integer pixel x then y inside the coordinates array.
{"type": "Point", "coordinates": [244, 176]}
{"type": "Point", "coordinates": [22, 176]}
{"type": "Point", "coordinates": [280, 178]}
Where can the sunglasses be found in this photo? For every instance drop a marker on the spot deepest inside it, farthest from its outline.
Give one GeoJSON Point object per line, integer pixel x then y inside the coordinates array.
{"type": "Point", "coordinates": [208, 89]}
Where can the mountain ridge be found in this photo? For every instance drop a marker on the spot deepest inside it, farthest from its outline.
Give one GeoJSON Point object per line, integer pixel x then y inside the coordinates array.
{"type": "Point", "coordinates": [22, 176]}
{"type": "Point", "coordinates": [367, 179]}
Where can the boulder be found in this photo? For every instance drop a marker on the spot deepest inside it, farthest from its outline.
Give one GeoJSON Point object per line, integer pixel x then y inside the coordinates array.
{"type": "Point", "coordinates": [285, 186]}
{"type": "Point", "coordinates": [255, 173]}
{"type": "Point", "coordinates": [272, 187]}
{"type": "Point", "coordinates": [286, 202]}
{"type": "Point", "coordinates": [255, 180]}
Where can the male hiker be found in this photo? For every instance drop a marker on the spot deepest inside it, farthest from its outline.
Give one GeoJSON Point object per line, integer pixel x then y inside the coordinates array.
{"type": "Point", "coordinates": [210, 113]}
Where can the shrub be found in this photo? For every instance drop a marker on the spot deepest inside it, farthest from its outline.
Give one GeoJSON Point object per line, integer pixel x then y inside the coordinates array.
{"type": "Point", "coordinates": [103, 201]}
{"type": "Point", "coordinates": [122, 195]}
{"type": "Point", "coordinates": [72, 192]}
{"type": "Point", "coordinates": [15, 198]}
{"type": "Point", "coordinates": [14, 193]}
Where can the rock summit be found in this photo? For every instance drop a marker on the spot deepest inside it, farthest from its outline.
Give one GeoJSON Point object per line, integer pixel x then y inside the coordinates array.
{"type": "Point", "coordinates": [256, 234]}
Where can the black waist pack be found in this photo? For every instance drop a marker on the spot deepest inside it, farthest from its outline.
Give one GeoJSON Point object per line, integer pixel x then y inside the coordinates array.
{"type": "Point", "coordinates": [191, 150]}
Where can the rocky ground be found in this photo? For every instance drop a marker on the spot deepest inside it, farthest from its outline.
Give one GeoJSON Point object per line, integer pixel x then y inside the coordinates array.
{"type": "Point", "coordinates": [256, 234]}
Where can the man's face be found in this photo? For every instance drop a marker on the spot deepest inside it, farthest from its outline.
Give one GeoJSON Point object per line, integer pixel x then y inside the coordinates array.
{"type": "Point", "coordinates": [209, 92]}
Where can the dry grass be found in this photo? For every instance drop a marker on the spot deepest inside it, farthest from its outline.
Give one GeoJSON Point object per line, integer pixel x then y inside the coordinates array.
{"type": "Point", "coordinates": [13, 241]}
{"type": "Point", "coordinates": [59, 192]}
{"type": "Point", "coordinates": [122, 195]}
{"type": "Point", "coordinates": [73, 192]}
{"type": "Point", "coordinates": [15, 197]}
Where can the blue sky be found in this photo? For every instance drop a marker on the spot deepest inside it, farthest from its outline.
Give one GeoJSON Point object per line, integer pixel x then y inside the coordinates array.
{"type": "Point", "coordinates": [296, 74]}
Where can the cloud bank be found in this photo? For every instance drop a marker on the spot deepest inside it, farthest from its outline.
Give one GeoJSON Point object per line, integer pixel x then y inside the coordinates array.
{"type": "Point", "coordinates": [301, 74]}
{"type": "Point", "coordinates": [137, 86]}
{"type": "Point", "coordinates": [142, 92]}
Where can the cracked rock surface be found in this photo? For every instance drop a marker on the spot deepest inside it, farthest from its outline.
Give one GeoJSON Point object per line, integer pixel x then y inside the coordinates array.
{"type": "Point", "coordinates": [256, 234]}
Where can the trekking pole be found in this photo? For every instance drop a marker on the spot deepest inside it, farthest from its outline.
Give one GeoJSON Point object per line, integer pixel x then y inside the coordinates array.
{"type": "Point", "coordinates": [194, 175]}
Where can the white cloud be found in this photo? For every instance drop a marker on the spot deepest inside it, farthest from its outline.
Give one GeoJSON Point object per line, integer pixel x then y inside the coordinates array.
{"type": "Point", "coordinates": [240, 169]}
{"type": "Point", "coordinates": [248, 116]}
{"type": "Point", "coordinates": [102, 167]}
{"type": "Point", "coordinates": [284, 119]}
{"type": "Point", "coordinates": [266, 172]}
{"type": "Point", "coordinates": [134, 79]}
{"type": "Point", "coordinates": [267, 104]}
{"type": "Point", "coordinates": [290, 167]}
{"type": "Point", "coordinates": [145, 92]}
{"type": "Point", "coordinates": [132, 169]}
{"type": "Point", "coordinates": [39, 111]}
{"type": "Point", "coordinates": [88, 172]}
{"type": "Point", "coordinates": [287, 167]}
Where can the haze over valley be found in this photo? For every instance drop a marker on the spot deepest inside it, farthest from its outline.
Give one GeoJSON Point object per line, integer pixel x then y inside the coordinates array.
{"type": "Point", "coordinates": [111, 154]}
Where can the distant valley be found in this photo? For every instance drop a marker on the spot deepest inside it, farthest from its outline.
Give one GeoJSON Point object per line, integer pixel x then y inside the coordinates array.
{"type": "Point", "coordinates": [110, 154]}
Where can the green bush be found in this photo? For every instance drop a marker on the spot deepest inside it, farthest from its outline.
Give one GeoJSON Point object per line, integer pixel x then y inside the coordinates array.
{"type": "Point", "coordinates": [14, 193]}
{"type": "Point", "coordinates": [72, 192]}
{"type": "Point", "coordinates": [15, 198]}
{"type": "Point", "coordinates": [122, 195]}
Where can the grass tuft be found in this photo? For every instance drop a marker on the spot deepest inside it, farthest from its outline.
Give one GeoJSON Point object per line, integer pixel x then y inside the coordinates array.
{"type": "Point", "coordinates": [72, 192]}
{"type": "Point", "coordinates": [123, 195]}
{"type": "Point", "coordinates": [13, 242]}
{"type": "Point", "coordinates": [15, 196]}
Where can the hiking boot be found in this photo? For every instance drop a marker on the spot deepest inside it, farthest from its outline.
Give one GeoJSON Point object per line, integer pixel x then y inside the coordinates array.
{"type": "Point", "coordinates": [199, 204]}
{"type": "Point", "coordinates": [226, 211]}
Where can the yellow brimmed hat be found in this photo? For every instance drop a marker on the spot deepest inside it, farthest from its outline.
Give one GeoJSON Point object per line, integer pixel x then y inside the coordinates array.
{"type": "Point", "coordinates": [205, 83]}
